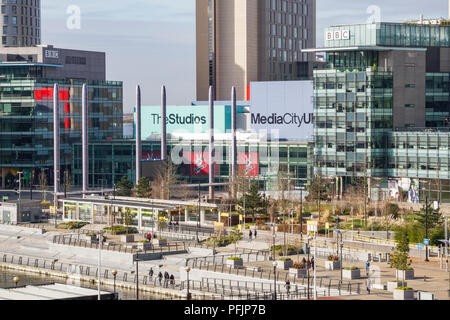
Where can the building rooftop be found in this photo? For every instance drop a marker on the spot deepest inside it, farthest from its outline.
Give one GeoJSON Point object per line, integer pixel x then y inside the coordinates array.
{"type": "Point", "coordinates": [54, 291]}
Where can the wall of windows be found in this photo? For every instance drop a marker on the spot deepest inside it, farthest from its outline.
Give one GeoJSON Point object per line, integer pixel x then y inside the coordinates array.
{"type": "Point", "coordinates": [437, 100]}
{"type": "Point", "coordinates": [26, 120]}
{"type": "Point", "coordinates": [110, 161]}
{"type": "Point", "coordinates": [392, 34]}
{"type": "Point", "coordinates": [353, 113]}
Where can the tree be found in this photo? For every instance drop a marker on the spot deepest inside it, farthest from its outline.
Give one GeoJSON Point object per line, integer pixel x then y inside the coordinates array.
{"type": "Point", "coordinates": [317, 189]}
{"type": "Point", "coordinates": [143, 188]}
{"type": "Point", "coordinates": [235, 236]}
{"type": "Point", "coordinates": [165, 179]}
{"type": "Point", "coordinates": [124, 187]}
{"type": "Point", "coordinates": [400, 259]}
{"type": "Point", "coordinates": [127, 218]}
{"type": "Point", "coordinates": [43, 183]}
{"type": "Point", "coordinates": [254, 202]}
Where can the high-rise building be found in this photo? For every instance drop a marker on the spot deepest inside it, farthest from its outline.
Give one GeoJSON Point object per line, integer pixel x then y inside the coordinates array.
{"type": "Point", "coordinates": [239, 41]}
{"type": "Point", "coordinates": [381, 103]}
{"type": "Point", "coordinates": [21, 23]}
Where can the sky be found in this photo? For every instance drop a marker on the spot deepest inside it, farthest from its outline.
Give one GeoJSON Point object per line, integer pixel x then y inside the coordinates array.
{"type": "Point", "coordinates": [152, 42]}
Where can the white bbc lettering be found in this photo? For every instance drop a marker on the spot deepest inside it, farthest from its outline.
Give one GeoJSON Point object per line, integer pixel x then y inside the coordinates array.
{"type": "Point", "coordinates": [345, 35]}
{"type": "Point", "coordinates": [338, 35]}
{"type": "Point", "coordinates": [329, 36]}
{"type": "Point", "coordinates": [52, 54]}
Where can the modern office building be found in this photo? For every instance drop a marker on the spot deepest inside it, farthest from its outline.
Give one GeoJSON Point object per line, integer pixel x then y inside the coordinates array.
{"type": "Point", "coordinates": [274, 134]}
{"type": "Point", "coordinates": [21, 23]}
{"type": "Point", "coordinates": [240, 41]}
{"type": "Point", "coordinates": [28, 72]}
{"type": "Point", "coordinates": [111, 160]}
{"type": "Point", "coordinates": [381, 81]}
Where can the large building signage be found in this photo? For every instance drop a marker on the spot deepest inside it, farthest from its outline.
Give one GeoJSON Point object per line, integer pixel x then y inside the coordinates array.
{"type": "Point", "coordinates": [184, 119]}
{"type": "Point", "coordinates": [337, 35]}
{"type": "Point", "coordinates": [52, 54]}
{"type": "Point", "coordinates": [285, 107]}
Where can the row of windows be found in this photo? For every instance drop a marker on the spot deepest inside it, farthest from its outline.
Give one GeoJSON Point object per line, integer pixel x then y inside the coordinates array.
{"type": "Point", "coordinates": [24, 21]}
{"type": "Point", "coordinates": [25, 30]}
{"type": "Point", "coordinates": [31, 11]}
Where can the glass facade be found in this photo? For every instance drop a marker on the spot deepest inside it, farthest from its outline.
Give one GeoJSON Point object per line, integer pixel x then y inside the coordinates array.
{"type": "Point", "coordinates": [390, 34]}
{"type": "Point", "coordinates": [110, 161]}
{"type": "Point", "coordinates": [26, 122]}
{"type": "Point", "coordinates": [437, 100]}
{"type": "Point", "coordinates": [353, 112]}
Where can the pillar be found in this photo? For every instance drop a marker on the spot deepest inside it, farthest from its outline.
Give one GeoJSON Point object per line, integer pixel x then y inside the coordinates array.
{"type": "Point", "coordinates": [186, 215]}
{"type": "Point", "coordinates": [85, 142]}
{"type": "Point", "coordinates": [56, 145]}
{"type": "Point", "coordinates": [211, 142]}
{"type": "Point", "coordinates": [233, 139]}
{"type": "Point", "coordinates": [3, 179]}
{"type": "Point", "coordinates": [202, 215]}
{"type": "Point", "coordinates": [163, 124]}
{"type": "Point", "coordinates": [138, 134]}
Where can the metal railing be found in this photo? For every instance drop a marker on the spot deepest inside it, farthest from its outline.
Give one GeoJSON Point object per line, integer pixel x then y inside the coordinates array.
{"type": "Point", "coordinates": [74, 240]}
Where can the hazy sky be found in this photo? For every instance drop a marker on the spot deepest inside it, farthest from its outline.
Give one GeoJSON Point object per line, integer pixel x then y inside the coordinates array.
{"type": "Point", "coordinates": [152, 42]}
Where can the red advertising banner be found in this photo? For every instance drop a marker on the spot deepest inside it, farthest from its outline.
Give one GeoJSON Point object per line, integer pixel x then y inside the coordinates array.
{"type": "Point", "coordinates": [151, 155]}
{"type": "Point", "coordinates": [199, 163]}
{"type": "Point", "coordinates": [248, 164]}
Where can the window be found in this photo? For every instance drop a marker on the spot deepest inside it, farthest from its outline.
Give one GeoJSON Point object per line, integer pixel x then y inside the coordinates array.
{"type": "Point", "coordinates": [409, 105]}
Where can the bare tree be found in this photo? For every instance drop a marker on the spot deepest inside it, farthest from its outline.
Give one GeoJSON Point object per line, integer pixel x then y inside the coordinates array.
{"type": "Point", "coordinates": [43, 184]}
{"type": "Point", "coordinates": [164, 181]}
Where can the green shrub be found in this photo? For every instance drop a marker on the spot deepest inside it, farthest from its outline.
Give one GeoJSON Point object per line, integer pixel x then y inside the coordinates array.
{"type": "Point", "coordinates": [144, 241]}
{"type": "Point", "coordinates": [120, 230]}
{"type": "Point", "coordinates": [285, 259]}
{"type": "Point", "coordinates": [72, 225]}
{"type": "Point", "coordinates": [234, 258]}
{"type": "Point", "coordinates": [91, 235]}
{"type": "Point", "coordinates": [351, 268]}
{"type": "Point", "coordinates": [404, 288]}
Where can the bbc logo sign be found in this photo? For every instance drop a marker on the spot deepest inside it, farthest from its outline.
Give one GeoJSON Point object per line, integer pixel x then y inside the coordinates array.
{"type": "Point", "coordinates": [338, 35]}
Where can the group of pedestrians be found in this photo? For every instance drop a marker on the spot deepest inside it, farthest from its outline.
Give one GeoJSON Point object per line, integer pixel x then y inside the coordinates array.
{"type": "Point", "coordinates": [310, 263]}
{"type": "Point", "coordinates": [168, 279]}
{"type": "Point", "coordinates": [251, 234]}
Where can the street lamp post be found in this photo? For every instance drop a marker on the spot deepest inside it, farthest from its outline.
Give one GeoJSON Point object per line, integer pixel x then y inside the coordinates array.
{"type": "Point", "coordinates": [426, 228]}
{"type": "Point", "coordinates": [198, 217]}
{"type": "Point", "coordinates": [137, 273]}
{"type": "Point", "coordinates": [188, 297]}
{"type": "Point", "coordinates": [275, 280]}
{"type": "Point", "coordinates": [20, 189]}
{"type": "Point", "coordinates": [315, 266]}
{"type": "Point", "coordinates": [307, 267]}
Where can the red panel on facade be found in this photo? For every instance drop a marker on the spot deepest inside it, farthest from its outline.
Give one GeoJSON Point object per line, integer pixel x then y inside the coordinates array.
{"type": "Point", "coordinates": [248, 164]}
{"type": "Point", "coordinates": [151, 155]}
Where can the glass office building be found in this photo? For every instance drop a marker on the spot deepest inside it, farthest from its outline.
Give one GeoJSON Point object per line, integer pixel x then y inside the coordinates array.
{"type": "Point", "coordinates": [382, 103]}
{"type": "Point", "coordinates": [110, 161]}
{"type": "Point", "coordinates": [26, 122]}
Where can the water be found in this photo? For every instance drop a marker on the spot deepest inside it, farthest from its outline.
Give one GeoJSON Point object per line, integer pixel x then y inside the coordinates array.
{"type": "Point", "coordinates": [6, 281]}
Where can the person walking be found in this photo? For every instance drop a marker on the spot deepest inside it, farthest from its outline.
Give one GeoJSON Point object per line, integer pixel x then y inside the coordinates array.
{"type": "Point", "coordinates": [250, 234]}
{"type": "Point", "coordinates": [369, 285]}
{"type": "Point", "coordinates": [160, 276]}
{"type": "Point", "coordinates": [172, 281]}
{"type": "Point", "coordinates": [166, 279]}
{"type": "Point", "coordinates": [308, 264]}
{"type": "Point", "coordinates": [288, 287]}
{"type": "Point", "coordinates": [367, 267]}
{"type": "Point", "coordinates": [150, 273]}
{"type": "Point", "coordinates": [313, 263]}
{"type": "Point", "coordinates": [256, 233]}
